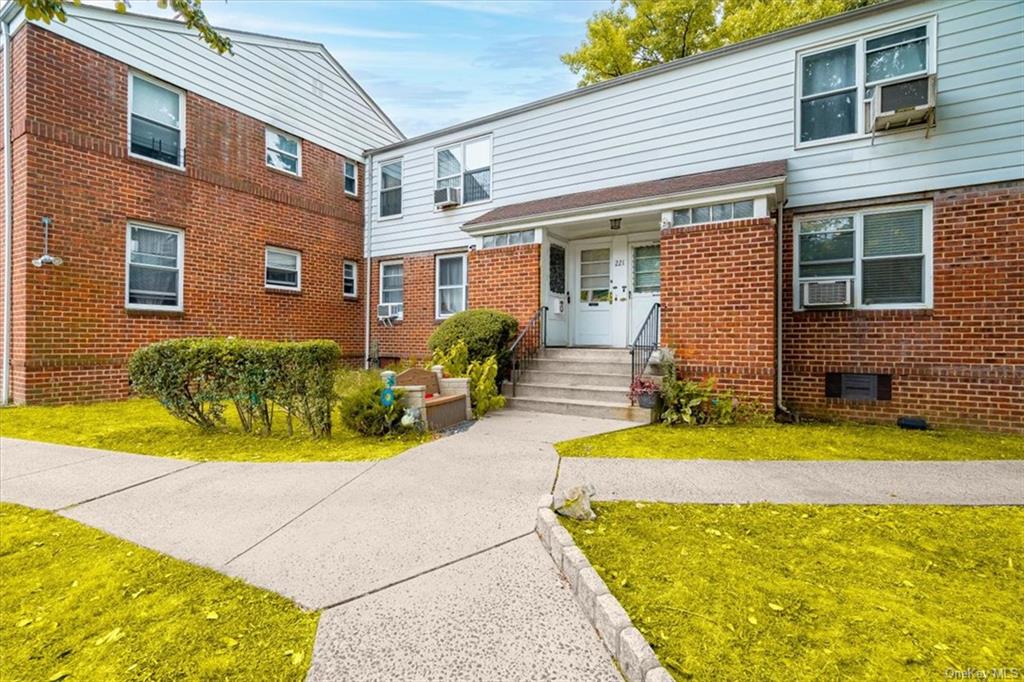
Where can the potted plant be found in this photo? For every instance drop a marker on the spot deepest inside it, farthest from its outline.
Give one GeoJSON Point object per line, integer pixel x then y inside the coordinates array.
{"type": "Point", "coordinates": [643, 392]}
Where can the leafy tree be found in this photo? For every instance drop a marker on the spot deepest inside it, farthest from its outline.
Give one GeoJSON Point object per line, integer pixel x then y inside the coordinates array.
{"type": "Point", "coordinates": [190, 12]}
{"type": "Point", "coordinates": [635, 34]}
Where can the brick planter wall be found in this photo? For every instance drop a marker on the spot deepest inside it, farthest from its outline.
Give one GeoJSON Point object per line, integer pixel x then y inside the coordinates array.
{"type": "Point", "coordinates": [962, 362]}
{"type": "Point", "coordinates": [717, 298]}
{"type": "Point", "coordinates": [72, 331]}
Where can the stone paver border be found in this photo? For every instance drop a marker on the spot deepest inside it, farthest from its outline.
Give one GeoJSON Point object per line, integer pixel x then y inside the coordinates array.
{"type": "Point", "coordinates": [634, 654]}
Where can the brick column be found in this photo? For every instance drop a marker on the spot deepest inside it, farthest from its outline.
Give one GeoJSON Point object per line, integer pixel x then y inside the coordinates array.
{"type": "Point", "coordinates": [718, 303]}
{"type": "Point", "coordinates": [506, 279]}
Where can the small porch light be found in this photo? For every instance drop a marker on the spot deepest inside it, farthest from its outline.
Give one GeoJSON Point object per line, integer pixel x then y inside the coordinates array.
{"type": "Point", "coordinates": [615, 223]}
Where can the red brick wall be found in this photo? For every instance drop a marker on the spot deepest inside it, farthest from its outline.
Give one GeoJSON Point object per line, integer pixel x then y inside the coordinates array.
{"type": "Point", "coordinates": [408, 337]}
{"type": "Point", "coordinates": [506, 279]}
{"type": "Point", "coordinates": [962, 362]}
{"type": "Point", "coordinates": [717, 298]}
{"type": "Point", "coordinates": [74, 334]}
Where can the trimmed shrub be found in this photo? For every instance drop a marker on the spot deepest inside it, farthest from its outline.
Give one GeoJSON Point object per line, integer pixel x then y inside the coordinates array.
{"type": "Point", "coordinates": [360, 406]}
{"type": "Point", "coordinates": [485, 333]}
{"type": "Point", "coordinates": [196, 378]}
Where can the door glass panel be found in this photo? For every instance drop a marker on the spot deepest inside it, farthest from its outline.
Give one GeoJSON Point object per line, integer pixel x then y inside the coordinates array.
{"type": "Point", "coordinates": [647, 268]}
{"type": "Point", "coordinates": [595, 277]}
{"type": "Point", "coordinates": [556, 263]}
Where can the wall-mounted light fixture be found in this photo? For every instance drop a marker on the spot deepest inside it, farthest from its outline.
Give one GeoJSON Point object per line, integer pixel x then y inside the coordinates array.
{"type": "Point", "coordinates": [46, 258]}
{"type": "Point", "coordinates": [615, 223]}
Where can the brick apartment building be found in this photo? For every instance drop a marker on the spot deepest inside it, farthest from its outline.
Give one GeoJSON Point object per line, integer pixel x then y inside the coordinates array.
{"type": "Point", "coordinates": [829, 219]}
{"type": "Point", "coordinates": [186, 193]}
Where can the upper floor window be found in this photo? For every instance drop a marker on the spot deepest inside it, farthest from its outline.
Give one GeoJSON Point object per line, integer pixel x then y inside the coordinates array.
{"type": "Point", "coordinates": [835, 83]}
{"type": "Point", "coordinates": [391, 189]}
{"type": "Point", "coordinates": [467, 166]}
{"type": "Point", "coordinates": [351, 182]}
{"type": "Point", "coordinates": [155, 259]}
{"type": "Point", "coordinates": [866, 259]}
{"type": "Point", "coordinates": [284, 152]}
{"type": "Point", "coordinates": [451, 285]}
{"type": "Point", "coordinates": [156, 121]}
{"type": "Point", "coordinates": [349, 283]}
{"type": "Point", "coordinates": [283, 269]}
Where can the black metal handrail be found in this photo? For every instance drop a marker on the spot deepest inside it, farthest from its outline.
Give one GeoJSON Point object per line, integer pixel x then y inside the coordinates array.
{"type": "Point", "coordinates": [646, 342]}
{"type": "Point", "coordinates": [531, 339]}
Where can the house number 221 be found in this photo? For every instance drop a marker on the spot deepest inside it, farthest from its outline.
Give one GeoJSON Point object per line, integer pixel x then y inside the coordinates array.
{"type": "Point", "coordinates": [619, 262]}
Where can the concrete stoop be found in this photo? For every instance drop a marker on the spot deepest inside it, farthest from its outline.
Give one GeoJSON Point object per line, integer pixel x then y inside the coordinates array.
{"type": "Point", "coordinates": [581, 382]}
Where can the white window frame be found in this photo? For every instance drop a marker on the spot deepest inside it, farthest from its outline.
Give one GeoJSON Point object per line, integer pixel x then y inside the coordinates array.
{"type": "Point", "coordinates": [132, 75]}
{"type": "Point", "coordinates": [461, 146]}
{"type": "Point", "coordinates": [400, 160]}
{"type": "Point", "coordinates": [860, 130]}
{"type": "Point", "coordinates": [380, 285]}
{"type": "Point", "coordinates": [437, 284]}
{"type": "Point", "coordinates": [858, 256]}
{"type": "Point", "coordinates": [298, 268]}
{"type": "Point", "coordinates": [298, 148]}
{"type": "Point", "coordinates": [355, 278]}
{"type": "Point", "coordinates": [128, 263]}
{"type": "Point", "coordinates": [345, 163]}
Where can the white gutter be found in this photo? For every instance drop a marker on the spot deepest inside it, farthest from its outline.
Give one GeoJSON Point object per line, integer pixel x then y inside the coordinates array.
{"type": "Point", "coordinates": [5, 373]}
{"type": "Point", "coordinates": [368, 260]}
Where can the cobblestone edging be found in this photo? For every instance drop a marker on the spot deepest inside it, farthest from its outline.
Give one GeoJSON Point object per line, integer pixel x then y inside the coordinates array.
{"type": "Point", "coordinates": [635, 657]}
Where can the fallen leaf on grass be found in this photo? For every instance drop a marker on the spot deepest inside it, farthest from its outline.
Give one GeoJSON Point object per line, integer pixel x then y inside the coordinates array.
{"type": "Point", "coordinates": [775, 607]}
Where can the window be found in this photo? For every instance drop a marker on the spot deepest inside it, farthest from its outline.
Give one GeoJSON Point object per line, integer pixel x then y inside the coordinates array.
{"type": "Point", "coordinates": [391, 189]}
{"type": "Point", "coordinates": [858, 386]}
{"type": "Point", "coordinates": [736, 210]}
{"type": "Point", "coordinates": [835, 83]}
{"type": "Point", "coordinates": [156, 121]}
{"type": "Point", "coordinates": [283, 269]}
{"type": "Point", "coordinates": [595, 276]}
{"type": "Point", "coordinates": [466, 165]}
{"type": "Point", "coordinates": [451, 285]}
{"type": "Point", "coordinates": [349, 278]}
{"type": "Point", "coordinates": [284, 152]}
{"type": "Point", "coordinates": [392, 275]}
{"type": "Point", "coordinates": [885, 253]}
{"type": "Point", "coordinates": [508, 239]}
{"type": "Point", "coordinates": [155, 257]}
{"type": "Point", "coordinates": [351, 183]}
{"type": "Point", "coordinates": [647, 268]}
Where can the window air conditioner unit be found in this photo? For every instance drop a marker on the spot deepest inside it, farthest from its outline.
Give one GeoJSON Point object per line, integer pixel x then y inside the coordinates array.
{"type": "Point", "coordinates": [902, 104]}
{"type": "Point", "coordinates": [388, 312]}
{"type": "Point", "coordinates": [833, 293]}
{"type": "Point", "coordinates": [446, 197]}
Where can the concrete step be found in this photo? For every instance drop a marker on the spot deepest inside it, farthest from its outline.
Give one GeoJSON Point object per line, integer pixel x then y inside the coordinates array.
{"type": "Point", "coordinates": [615, 355]}
{"type": "Point", "coordinates": [617, 379]}
{"type": "Point", "coordinates": [545, 364]}
{"type": "Point", "coordinates": [604, 394]}
{"type": "Point", "coordinates": [580, 408]}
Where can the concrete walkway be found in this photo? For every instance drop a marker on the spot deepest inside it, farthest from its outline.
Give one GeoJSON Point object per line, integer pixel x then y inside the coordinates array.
{"type": "Point", "coordinates": [814, 482]}
{"type": "Point", "coordinates": [425, 562]}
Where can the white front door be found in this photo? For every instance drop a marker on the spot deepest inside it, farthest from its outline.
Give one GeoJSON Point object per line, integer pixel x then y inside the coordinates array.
{"type": "Point", "coordinates": [557, 322]}
{"type": "Point", "coordinates": [592, 300]}
{"type": "Point", "coordinates": [644, 283]}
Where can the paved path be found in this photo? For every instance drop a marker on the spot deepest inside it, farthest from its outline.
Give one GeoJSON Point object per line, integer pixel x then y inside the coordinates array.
{"type": "Point", "coordinates": [822, 482]}
{"type": "Point", "coordinates": [425, 562]}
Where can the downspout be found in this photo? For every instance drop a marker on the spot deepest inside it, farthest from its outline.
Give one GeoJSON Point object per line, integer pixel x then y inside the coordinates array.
{"type": "Point", "coordinates": [367, 240]}
{"type": "Point", "coordinates": [5, 374]}
{"type": "Point", "coordinates": [779, 266]}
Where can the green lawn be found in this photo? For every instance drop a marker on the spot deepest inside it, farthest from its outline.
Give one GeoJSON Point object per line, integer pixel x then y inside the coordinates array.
{"type": "Point", "coordinates": [79, 604]}
{"type": "Point", "coordinates": [795, 441]}
{"type": "Point", "coordinates": [144, 427]}
{"type": "Point", "coordinates": [802, 592]}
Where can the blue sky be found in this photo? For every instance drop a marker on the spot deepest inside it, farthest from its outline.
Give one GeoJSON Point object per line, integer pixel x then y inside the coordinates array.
{"type": "Point", "coordinates": [428, 63]}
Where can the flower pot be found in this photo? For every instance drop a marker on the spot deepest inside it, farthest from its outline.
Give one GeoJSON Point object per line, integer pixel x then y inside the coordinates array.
{"type": "Point", "coordinates": [647, 400]}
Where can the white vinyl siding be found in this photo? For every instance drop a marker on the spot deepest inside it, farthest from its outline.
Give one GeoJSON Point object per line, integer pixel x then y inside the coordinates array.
{"type": "Point", "coordinates": [736, 109]}
{"type": "Point", "coordinates": [270, 79]}
{"type": "Point", "coordinates": [450, 272]}
{"type": "Point", "coordinates": [156, 121]}
{"type": "Point", "coordinates": [351, 178]}
{"type": "Point", "coordinates": [284, 152]}
{"type": "Point", "coordinates": [885, 252]}
{"type": "Point", "coordinates": [282, 269]}
{"type": "Point", "coordinates": [154, 264]}
{"type": "Point", "coordinates": [350, 279]}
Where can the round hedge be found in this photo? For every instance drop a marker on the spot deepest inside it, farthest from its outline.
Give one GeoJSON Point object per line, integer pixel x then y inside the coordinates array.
{"type": "Point", "coordinates": [486, 333]}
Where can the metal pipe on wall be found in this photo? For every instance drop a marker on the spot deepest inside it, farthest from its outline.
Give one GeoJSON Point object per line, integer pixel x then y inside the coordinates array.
{"type": "Point", "coordinates": [5, 374]}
